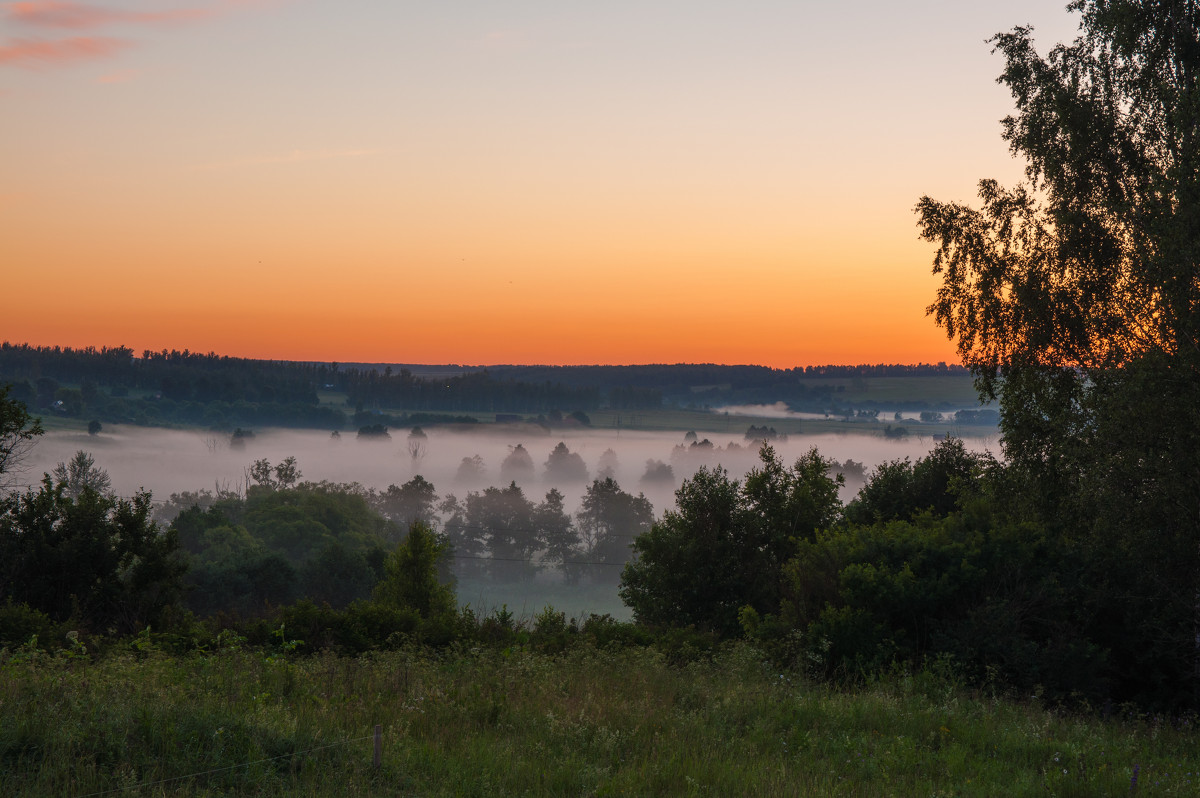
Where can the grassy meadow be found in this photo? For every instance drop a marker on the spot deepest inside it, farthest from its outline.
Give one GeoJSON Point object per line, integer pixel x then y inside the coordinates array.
{"type": "Point", "coordinates": [498, 720]}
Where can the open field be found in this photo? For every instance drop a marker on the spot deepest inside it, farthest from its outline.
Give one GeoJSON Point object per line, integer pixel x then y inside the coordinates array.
{"type": "Point", "coordinates": [955, 390]}
{"type": "Point", "coordinates": [703, 421]}
{"type": "Point", "coordinates": [509, 721]}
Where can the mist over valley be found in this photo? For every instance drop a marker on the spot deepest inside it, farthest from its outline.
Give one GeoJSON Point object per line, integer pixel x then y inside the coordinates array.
{"type": "Point", "coordinates": [166, 461]}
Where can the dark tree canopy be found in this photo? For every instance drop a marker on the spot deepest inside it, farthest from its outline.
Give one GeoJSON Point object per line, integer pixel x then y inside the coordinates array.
{"type": "Point", "coordinates": [725, 544]}
{"type": "Point", "coordinates": [411, 577]}
{"type": "Point", "coordinates": [610, 519]}
{"type": "Point", "coordinates": [80, 473]}
{"type": "Point", "coordinates": [91, 558]}
{"type": "Point", "coordinates": [1075, 297]}
{"type": "Point", "coordinates": [1092, 263]}
{"type": "Point", "coordinates": [18, 431]}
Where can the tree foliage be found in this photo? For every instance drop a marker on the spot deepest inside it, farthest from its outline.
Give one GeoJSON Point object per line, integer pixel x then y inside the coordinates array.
{"type": "Point", "coordinates": [609, 520]}
{"type": "Point", "coordinates": [1092, 263]}
{"type": "Point", "coordinates": [18, 431]}
{"type": "Point", "coordinates": [995, 594]}
{"type": "Point", "coordinates": [1075, 297]}
{"type": "Point", "coordinates": [406, 504]}
{"type": "Point", "coordinates": [92, 558]}
{"type": "Point", "coordinates": [80, 473]}
{"type": "Point", "coordinates": [725, 544]}
{"type": "Point", "coordinates": [411, 575]}
{"type": "Point", "coordinates": [898, 490]}
{"type": "Point", "coordinates": [247, 553]}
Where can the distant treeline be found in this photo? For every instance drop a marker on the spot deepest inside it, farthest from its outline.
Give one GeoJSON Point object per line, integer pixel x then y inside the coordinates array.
{"type": "Point", "coordinates": [677, 375]}
{"type": "Point", "coordinates": [476, 391]}
{"type": "Point", "coordinates": [113, 384]}
{"type": "Point", "coordinates": [804, 388]}
{"type": "Point", "coordinates": [179, 376]}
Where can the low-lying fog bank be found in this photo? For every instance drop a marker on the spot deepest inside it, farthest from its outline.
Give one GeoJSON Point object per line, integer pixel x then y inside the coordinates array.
{"type": "Point", "coordinates": [884, 413]}
{"type": "Point", "coordinates": [170, 461]}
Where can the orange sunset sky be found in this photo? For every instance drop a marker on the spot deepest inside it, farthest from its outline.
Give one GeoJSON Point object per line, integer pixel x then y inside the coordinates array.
{"type": "Point", "coordinates": [493, 182]}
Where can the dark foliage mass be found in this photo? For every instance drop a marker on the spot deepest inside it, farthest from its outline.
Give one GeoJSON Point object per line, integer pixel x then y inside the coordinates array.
{"type": "Point", "coordinates": [724, 546]}
{"type": "Point", "coordinates": [92, 559]}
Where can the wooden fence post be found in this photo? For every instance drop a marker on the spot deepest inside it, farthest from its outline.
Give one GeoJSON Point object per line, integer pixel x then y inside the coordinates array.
{"type": "Point", "coordinates": [378, 745]}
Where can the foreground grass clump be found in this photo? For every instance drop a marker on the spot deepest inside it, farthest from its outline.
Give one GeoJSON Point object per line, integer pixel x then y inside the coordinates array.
{"type": "Point", "coordinates": [505, 721]}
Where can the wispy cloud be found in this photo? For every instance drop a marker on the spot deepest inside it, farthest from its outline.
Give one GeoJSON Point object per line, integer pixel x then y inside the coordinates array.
{"type": "Point", "coordinates": [37, 52]}
{"type": "Point", "coordinates": [55, 15]}
{"type": "Point", "coordinates": [84, 16]}
{"type": "Point", "coordinates": [294, 156]}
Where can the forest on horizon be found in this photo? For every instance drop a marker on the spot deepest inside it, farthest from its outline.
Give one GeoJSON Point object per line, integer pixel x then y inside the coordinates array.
{"type": "Point", "coordinates": [116, 385]}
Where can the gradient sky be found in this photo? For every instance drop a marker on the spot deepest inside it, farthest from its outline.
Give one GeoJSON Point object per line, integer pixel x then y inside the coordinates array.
{"type": "Point", "coordinates": [493, 182]}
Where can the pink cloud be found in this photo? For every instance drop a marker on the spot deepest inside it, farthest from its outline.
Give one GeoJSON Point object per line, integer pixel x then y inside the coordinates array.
{"type": "Point", "coordinates": [65, 15]}
{"type": "Point", "coordinates": [82, 16]}
{"type": "Point", "coordinates": [36, 52]}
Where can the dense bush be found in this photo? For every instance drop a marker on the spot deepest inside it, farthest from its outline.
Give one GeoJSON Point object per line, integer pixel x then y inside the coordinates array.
{"type": "Point", "coordinates": [1001, 597]}
{"type": "Point", "coordinates": [725, 544]}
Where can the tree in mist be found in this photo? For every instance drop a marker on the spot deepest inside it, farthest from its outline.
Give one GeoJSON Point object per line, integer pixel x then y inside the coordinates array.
{"type": "Point", "coordinates": [466, 541]}
{"type": "Point", "coordinates": [411, 577]}
{"type": "Point", "coordinates": [81, 473]}
{"type": "Point", "coordinates": [239, 437]}
{"type": "Point", "coordinates": [417, 446]}
{"type": "Point", "coordinates": [374, 432]}
{"type": "Point", "coordinates": [609, 520]}
{"type": "Point", "coordinates": [407, 504]}
{"type": "Point", "coordinates": [471, 471]}
{"type": "Point", "coordinates": [695, 454]}
{"type": "Point", "coordinates": [504, 519]}
{"type": "Point", "coordinates": [658, 473]}
{"type": "Point", "coordinates": [606, 466]}
{"type": "Point", "coordinates": [281, 476]}
{"type": "Point", "coordinates": [555, 534]}
{"type": "Point", "coordinates": [763, 434]}
{"type": "Point", "coordinates": [563, 466]}
{"type": "Point", "coordinates": [517, 466]}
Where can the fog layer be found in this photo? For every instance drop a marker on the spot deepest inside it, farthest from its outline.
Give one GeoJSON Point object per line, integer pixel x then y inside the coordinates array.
{"type": "Point", "coordinates": [170, 461]}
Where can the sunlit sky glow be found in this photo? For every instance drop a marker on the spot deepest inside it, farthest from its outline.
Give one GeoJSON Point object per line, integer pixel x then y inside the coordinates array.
{"type": "Point", "coordinates": [484, 182]}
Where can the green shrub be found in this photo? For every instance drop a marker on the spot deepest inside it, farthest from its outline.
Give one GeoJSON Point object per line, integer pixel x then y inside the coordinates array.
{"type": "Point", "coordinates": [20, 624]}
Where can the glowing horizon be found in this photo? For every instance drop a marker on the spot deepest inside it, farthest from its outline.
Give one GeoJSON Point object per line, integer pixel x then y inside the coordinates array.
{"type": "Point", "coordinates": [672, 183]}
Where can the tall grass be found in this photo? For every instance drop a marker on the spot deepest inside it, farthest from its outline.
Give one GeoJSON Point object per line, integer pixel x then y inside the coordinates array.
{"type": "Point", "coordinates": [509, 721]}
